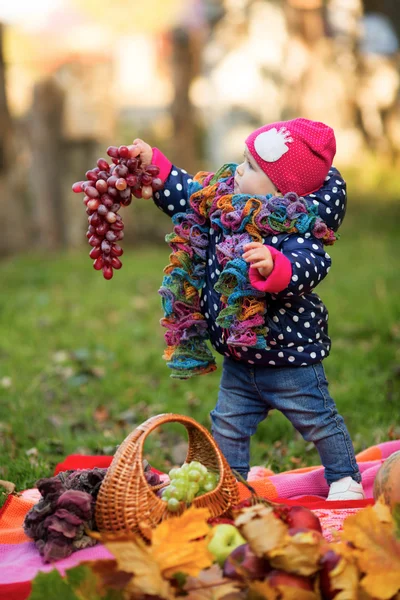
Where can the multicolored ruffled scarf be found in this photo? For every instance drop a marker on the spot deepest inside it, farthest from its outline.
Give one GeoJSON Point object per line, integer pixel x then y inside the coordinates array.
{"type": "Point", "coordinates": [242, 219]}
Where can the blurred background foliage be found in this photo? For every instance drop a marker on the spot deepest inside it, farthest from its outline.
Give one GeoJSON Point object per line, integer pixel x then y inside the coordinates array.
{"type": "Point", "coordinates": [80, 358]}
{"type": "Point", "coordinates": [191, 76]}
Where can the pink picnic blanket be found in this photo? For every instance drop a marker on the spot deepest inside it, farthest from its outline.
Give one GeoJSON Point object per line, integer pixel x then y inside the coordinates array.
{"type": "Point", "coordinates": [20, 561]}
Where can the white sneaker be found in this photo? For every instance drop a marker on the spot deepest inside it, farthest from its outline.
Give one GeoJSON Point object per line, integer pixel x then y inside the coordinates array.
{"type": "Point", "coordinates": [346, 489]}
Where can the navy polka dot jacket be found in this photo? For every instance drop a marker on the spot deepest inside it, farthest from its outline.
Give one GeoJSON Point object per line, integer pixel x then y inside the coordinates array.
{"type": "Point", "coordinates": [296, 318]}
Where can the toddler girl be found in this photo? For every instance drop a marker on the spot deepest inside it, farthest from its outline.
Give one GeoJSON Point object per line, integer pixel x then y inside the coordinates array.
{"type": "Point", "coordinates": [248, 251]}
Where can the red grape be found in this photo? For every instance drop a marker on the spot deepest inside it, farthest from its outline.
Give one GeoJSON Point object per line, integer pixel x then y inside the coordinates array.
{"type": "Point", "coordinates": [93, 204]}
{"type": "Point", "coordinates": [103, 164]}
{"type": "Point", "coordinates": [116, 250]}
{"type": "Point", "coordinates": [92, 192]}
{"type": "Point", "coordinates": [112, 180]}
{"type": "Point", "coordinates": [153, 170]}
{"type": "Point", "coordinates": [95, 252]}
{"type": "Point", "coordinates": [101, 186]}
{"type": "Point", "coordinates": [91, 175]}
{"type": "Point", "coordinates": [113, 192]}
{"type": "Point", "coordinates": [77, 187]}
{"type": "Point", "coordinates": [131, 180]}
{"type": "Point", "coordinates": [102, 210]}
{"type": "Point", "coordinates": [95, 220]}
{"type": "Point", "coordinates": [124, 152]}
{"type": "Point", "coordinates": [121, 184]}
{"type": "Point", "coordinates": [107, 272]}
{"type": "Point", "coordinates": [111, 217]}
{"type": "Point", "coordinates": [111, 236]}
{"type": "Point", "coordinates": [98, 263]}
{"type": "Point", "coordinates": [145, 179]}
{"type": "Point", "coordinates": [108, 187]}
{"type": "Point", "coordinates": [147, 191]}
{"type": "Point", "coordinates": [116, 263]}
{"type": "Point", "coordinates": [113, 151]}
{"type": "Point", "coordinates": [157, 184]}
{"type": "Point", "coordinates": [102, 229]}
{"type": "Point", "coordinates": [132, 164]}
{"type": "Point", "coordinates": [94, 241]}
{"type": "Point", "coordinates": [105, 247]}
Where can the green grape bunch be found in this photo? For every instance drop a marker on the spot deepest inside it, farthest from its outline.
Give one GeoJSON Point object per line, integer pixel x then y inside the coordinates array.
{"type": "Point", "coordinates": [188, 482]}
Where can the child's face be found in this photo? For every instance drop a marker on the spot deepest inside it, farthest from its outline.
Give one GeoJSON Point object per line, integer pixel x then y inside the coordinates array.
{"type": "Point", "coordinates": [250, 179]}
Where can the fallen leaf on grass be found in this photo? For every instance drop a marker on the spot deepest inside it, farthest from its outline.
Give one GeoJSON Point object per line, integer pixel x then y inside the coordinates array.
{"type": "Point", "coordinates": [101, 414]}
{"type": "Point", "coordinates": [372, 533]}
{"type": "Point", "coordinates": [7, 485]}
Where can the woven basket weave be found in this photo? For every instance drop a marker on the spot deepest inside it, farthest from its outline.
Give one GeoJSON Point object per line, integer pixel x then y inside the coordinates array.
{"type": "Point", "coordinates": [126, 503]}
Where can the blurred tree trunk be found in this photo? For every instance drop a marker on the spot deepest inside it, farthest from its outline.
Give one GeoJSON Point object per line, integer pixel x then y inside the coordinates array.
{"type": "Point", "coordinates": [325, 80]}
{"type": "Point", "coordinates": [14, 235]}
{"type": "Point", "coordinates": [183, 69]}
{"type": "Point", "coordinates": [45, 133]}
{"type": "Point", "coordinates": [5, 119]}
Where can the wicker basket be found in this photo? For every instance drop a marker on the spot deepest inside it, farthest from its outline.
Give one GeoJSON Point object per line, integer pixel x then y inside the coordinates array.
{"type": "Point", "coordinates": [126, 503]}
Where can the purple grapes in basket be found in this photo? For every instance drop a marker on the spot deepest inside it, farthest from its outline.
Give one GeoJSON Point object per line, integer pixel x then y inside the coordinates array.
{"type": "Point", "coordinates": [106, 189]}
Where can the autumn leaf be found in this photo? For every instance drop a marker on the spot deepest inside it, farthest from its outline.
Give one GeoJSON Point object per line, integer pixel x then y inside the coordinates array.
{"type": "Point", "coordinates": [299, 553]}
{"type": "Point", "coordinates": [211, 585]}
{"type": "Point", "coordinates": [133, 556]}
{"type": "Point", "coordinates": [345, 576]}
{"type": "Point", "coordinates": [261, 590]}
{"type": "Point", "coordinates": [176, 547]}
{"type": "Point", "coordinates": [108, 574]}
{"type": "Point", "coordinates": [51, 585]}
{"type": "Point", "coordinates": [261, 528]}
{"type": "Point", "coordinates": [79, 583]}
{"type": "Point", "coordinates": [372, 533]}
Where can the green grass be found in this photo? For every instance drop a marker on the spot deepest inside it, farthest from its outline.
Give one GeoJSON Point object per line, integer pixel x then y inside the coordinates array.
{"type": "Point", "coordinates": [81, 366]}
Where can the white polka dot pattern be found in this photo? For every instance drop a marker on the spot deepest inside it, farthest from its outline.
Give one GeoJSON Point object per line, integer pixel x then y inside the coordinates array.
{"type": "Point", "coordinates": [296, 329]}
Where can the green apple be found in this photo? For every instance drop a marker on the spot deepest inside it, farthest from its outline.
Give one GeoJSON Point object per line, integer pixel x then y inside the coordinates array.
{"type": "Point", "coordinates": [225, 538]}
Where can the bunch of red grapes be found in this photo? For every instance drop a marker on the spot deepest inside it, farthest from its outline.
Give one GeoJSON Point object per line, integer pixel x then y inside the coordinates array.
{"type": "Point", "coordinates": [107, 188]}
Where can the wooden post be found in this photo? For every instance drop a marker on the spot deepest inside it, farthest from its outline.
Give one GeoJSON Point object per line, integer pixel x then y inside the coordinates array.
{"type": "Point", "coordinates": [15, 231]}
{"type": "Point", "coordinates": [45, 133]}
{"type": "Point", "coordinates": [183, 144]}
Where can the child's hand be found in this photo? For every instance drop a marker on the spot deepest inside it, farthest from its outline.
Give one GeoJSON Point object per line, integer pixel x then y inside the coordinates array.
{"type": "Point", "coordinates": [260, 258]}
{"type": "Point", "coordinates": [140, 148]}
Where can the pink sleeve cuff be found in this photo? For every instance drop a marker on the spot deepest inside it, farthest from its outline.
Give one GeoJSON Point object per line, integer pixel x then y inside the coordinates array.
{"type": "Point", "coordinates": [162, 162]}
{"type": "Point", "coordinates": [278, 279]}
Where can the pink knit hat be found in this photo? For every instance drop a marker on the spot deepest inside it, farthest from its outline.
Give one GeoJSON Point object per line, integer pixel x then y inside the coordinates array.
{"type": "Point", "coordinates": [296, 155]}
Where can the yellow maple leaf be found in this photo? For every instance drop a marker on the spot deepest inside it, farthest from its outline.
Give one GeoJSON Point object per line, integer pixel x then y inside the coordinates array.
{"type": "Point", "coordinates": [372, 533]}
{"type": "Point", "coordinates": [175, 544]}
{"type": "Point", "coordinates": [134, 556]}
{"type": "Point", "coordinates": [261, 528]}
{"type": "Point", "coordinates": [299, 553]}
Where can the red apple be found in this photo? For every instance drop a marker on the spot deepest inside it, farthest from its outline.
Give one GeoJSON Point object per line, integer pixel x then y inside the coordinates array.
{"type": "Point", "coordinates": [278, 577]}
{"type": "Point", "coordinates": [242, 563]}
{"type": "Point", "coordinates": [328, 563]}
{"type": "Point", "coordinates": [299, 516]}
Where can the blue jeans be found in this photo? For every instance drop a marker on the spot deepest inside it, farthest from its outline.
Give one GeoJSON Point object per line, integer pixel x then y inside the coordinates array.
{"type": "Point", "coordinates": [246, 395]}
